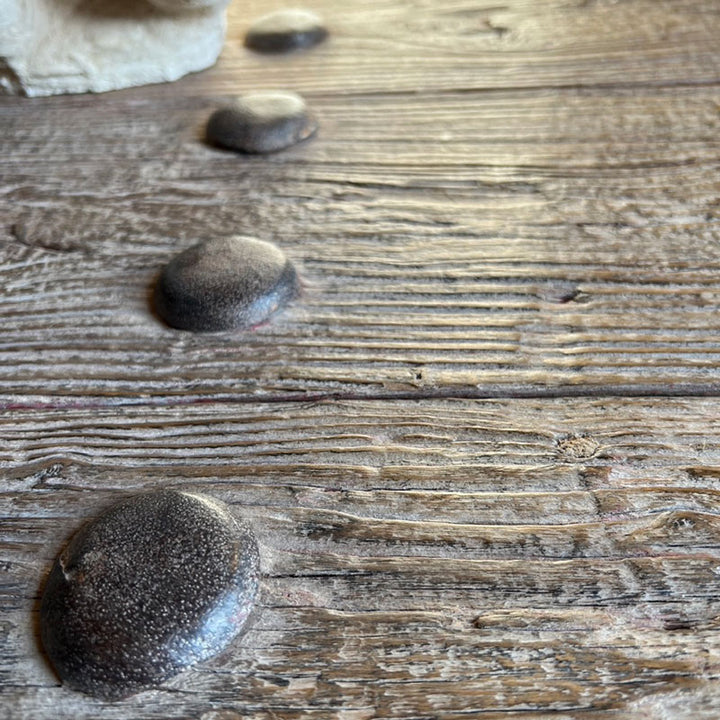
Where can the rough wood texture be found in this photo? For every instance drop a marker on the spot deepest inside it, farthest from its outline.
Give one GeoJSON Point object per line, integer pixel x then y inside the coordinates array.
{"type": "Point", "coordinates": [421, 560]}
{"type": "Point", "coordinates": [515, 201]}
{"type": "Point", "coordinates": [503, 196]}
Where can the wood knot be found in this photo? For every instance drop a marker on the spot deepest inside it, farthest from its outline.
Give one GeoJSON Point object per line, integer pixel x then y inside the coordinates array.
{"type": "Point", "coordinates": [577, 447]}
{"type": "Point", "coordinates": [48, 232]}
{"type": "Point", "coordinates": [560, 291]}
{"type": "Point", "coordinates": [679, 522]}
{"type": "Point", "coordinates": [678, 624]}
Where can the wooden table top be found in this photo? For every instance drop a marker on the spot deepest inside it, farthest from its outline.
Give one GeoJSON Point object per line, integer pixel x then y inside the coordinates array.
{"type": "Point", "coordinates": [482, 451]}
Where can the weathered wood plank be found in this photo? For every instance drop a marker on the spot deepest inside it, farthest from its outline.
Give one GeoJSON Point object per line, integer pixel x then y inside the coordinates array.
{"type": "Point", "coordinates": [423, 45]}
{"type": "Point", "coordinates": [536, 207]}
{"type": "Point", "coordinates": [436, 559]}
{"type": "Point", "coordinates": [509, 199]}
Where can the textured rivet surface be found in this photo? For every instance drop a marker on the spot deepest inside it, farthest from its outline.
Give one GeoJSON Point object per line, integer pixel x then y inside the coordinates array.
{"type": "Point", "coordinates": [225, 284]}
{"type": "Point", "coordinates": [261, 122]}
{"type": "Point", "coordinates": [286, 30]}
{"type": "Point", "coordinates": [154, 585]}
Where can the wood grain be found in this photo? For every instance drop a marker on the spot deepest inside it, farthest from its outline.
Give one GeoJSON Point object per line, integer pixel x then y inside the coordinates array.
{"type": "Point", "coordinates": [529, 207]}
{"type": "Point", "coordinates": [428, 559]}
{"type": "Point", "coordinates": [482, 451]}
